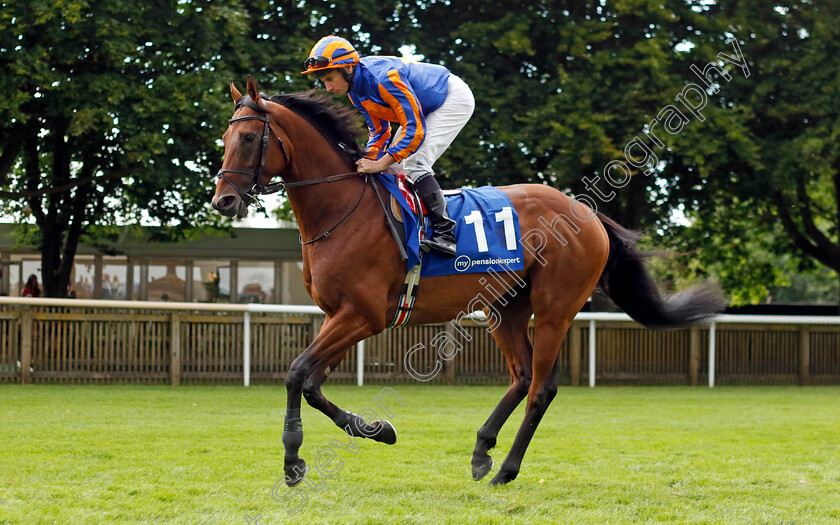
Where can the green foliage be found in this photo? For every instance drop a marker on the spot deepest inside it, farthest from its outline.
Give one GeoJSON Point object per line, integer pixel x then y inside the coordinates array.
{"type": "Point", "coordinates": [114, 110]}
{"type": "Point", "coordinates": [560, 89]}
{"type": "Point", "coordinates": [725, 245]}
{"type": "Point", "coordinates": [771, 155]}
{"type": "Point", "coordinates": [819, 285]}
{"type": "Point", "coordinates": [117, 108]}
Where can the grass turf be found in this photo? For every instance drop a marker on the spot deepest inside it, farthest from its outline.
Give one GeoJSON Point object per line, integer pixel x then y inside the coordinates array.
{"type": "Point", "coordinates": [202, 454]}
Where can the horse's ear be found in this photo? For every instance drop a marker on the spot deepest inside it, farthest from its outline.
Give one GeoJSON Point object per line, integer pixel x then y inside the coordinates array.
{"type": "Point", "coordinates": [253, 90]}
{"type": "Point", "coordinates": [234, 93]}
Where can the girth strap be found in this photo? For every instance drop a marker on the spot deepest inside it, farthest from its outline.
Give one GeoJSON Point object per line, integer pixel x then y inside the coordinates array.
{"type": "Point", "coordinates": [407, 296]}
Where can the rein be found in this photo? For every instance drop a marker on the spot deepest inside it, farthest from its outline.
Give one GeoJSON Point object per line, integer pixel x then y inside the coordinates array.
{"type": "Point", "coordinates": [349, 213]}
{"type": "Point", "coordinates": [331, 178]}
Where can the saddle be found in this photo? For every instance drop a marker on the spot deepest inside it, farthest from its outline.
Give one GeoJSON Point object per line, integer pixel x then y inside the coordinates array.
{"type": "Point", "coordinates": [394, 211]}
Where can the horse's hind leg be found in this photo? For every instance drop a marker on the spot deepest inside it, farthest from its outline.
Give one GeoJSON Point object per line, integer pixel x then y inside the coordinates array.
{"type": "Point", "coordinates": [576, 267]}
{"type": "Point", "coordinates": [512, 337]}
{"type": "Point", "coordinates": [547, 341]}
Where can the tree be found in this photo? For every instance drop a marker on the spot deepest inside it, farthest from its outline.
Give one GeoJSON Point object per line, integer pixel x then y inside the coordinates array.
{"type": "Point", "coordinates": [115, 109]}
{"type": "Point", "coordinates": [772, 171]}
{"type": "Point", "coordinates": [561, 89]}
{"type": "Point", "coordinates": [113, 112]}
{"type": "Point", "coordinates": [797, 123]}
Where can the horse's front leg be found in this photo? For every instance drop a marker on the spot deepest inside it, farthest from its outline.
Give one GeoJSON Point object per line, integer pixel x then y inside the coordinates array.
{"type": "Point", "coordinates": [305, 376]}
{"type": "Point", "coordinates": [353, 424]}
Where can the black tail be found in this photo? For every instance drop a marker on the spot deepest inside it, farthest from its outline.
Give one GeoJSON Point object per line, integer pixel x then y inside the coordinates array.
{"type": "Point", "coordinates": [630, 286]}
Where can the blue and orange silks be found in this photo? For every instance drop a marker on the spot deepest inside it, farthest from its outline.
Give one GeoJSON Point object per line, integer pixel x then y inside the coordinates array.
{"type": "Point", "coordinates": [391, 89]}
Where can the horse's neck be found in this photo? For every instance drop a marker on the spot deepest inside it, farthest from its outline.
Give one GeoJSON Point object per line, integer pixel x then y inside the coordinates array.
{"type": "Point", "coordinates": [318, 207]}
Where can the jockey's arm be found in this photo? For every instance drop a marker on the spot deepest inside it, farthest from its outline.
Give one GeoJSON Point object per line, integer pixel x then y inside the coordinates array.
{"type": "Point", "coordinates": [399, 95]}
{"type": "Point", "coordinates": [374, 166]}
{"type": "Point", "coordinates": [380, 132]}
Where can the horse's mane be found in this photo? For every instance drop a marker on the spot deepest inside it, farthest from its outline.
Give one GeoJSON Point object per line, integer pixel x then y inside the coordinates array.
{"type": "Point", "coordinates": [337, 123]}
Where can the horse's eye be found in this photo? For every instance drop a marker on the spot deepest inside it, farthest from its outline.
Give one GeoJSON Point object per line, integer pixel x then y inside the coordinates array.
{"type": "Point", "coordinates": [250, 137]}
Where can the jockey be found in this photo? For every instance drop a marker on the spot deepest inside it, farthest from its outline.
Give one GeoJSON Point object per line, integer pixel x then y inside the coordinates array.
{"type": "Point", "coordinates": [430, 104]}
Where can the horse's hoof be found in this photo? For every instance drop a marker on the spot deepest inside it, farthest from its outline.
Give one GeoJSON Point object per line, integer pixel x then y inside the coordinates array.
{"type": "Point", "coordinates": [481, 467]}
{"type": "Point", "coordinates": [295, 470]}
{"type": "Point", "coordinates": [503, 477]}
{"type": "Point", "coordinates": [386, 433]}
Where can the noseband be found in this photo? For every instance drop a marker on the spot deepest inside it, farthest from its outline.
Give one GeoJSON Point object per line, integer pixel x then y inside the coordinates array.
{"type": "Point", "coordinates": [256, 188]}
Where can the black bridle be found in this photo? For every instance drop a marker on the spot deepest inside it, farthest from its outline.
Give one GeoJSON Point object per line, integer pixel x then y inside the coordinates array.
{"type": "Point", "coordinates": [257, 188]}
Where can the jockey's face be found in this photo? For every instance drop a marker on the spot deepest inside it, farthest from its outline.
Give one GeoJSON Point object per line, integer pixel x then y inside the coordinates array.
{"type": "Point", "coordinates": [334, 82]}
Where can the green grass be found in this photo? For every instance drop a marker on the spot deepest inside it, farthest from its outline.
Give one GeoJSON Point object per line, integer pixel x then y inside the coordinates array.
{"type": "Point", "coordinates": [139, 454]}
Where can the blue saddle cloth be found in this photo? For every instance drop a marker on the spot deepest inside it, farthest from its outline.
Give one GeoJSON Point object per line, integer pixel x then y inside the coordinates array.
{"type": "Point", "coordinates": [487, 231]}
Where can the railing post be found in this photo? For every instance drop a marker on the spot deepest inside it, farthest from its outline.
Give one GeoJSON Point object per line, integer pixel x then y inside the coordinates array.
{"type": "Point", "coordinates": [804, 356]}
{"type": "Point", "coordinates": [694, 356]}
{"type": "Point", "coordinates": [592, 353]}
{"type": "Point", "coordinates": [712, 351]}
{"type": "Point", "coordinates": [175, 350]}
{"type": "Point", "coordinates": [246, 349]}
{"type": "Point", "coordinates": [360, 363]}
{"type": "Point", "coordinates": [26, 346]}
{"type": "Point", "coordinates": [574, 354]}
{"type": "Point", "coordinates": [449, 365]}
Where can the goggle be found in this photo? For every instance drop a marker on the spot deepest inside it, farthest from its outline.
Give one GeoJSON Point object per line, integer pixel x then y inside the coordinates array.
{"type": "Point", "coordinates": [316, 62]}
{"type": "Point", "coordinates": [320, 61]}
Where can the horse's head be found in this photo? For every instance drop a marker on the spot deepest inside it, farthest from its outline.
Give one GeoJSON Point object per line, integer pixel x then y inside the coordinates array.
{"type": "Point", "coordinates": [251, 157]}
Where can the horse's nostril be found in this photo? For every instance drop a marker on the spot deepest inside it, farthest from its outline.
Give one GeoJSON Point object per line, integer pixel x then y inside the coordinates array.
{"type": "Point", "coordinates": [226, 204]}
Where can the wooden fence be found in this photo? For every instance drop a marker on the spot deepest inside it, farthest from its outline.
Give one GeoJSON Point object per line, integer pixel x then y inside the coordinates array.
{"type": "Point", "coordinates": [101, 341]}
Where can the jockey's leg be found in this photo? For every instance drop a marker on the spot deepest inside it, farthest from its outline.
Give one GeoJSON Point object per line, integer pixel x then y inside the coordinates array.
{"type": "Point", "coordinates": [442, 239]}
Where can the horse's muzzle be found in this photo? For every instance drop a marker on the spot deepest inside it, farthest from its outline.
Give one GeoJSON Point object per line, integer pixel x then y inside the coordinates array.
{"type": "Point", "coordinates": [230, 206]}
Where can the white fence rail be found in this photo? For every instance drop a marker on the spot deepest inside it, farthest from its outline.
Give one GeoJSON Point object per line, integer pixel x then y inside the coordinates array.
{"type": "Point", "coordinates": [594, 317]}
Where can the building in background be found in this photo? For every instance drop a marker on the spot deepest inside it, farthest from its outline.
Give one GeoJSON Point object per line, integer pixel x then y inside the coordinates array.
{"type": "Point", "coordinates": [246, 265]}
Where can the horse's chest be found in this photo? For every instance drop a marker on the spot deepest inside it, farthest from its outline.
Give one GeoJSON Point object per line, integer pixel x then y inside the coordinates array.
{"type": "Point", "coordinates": [325, 284]}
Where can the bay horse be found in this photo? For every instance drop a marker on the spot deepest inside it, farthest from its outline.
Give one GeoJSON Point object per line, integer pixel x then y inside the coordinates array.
{"type": "Point", "coordinates": [353, 270]}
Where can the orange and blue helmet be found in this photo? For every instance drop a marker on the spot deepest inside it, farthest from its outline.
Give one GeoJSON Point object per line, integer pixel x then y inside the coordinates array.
{"type": "Point", "coordinates": [330, 52]}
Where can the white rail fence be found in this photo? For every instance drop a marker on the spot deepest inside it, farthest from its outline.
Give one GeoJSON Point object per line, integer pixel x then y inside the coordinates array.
{"type": "Point", "coordinates": [802, 320]}
{"type": "Point", "coordinates": [593, 318]}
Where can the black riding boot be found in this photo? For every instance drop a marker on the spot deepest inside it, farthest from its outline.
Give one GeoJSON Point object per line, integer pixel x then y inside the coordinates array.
{"type": "Point", "coordinates": [442, 240]}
